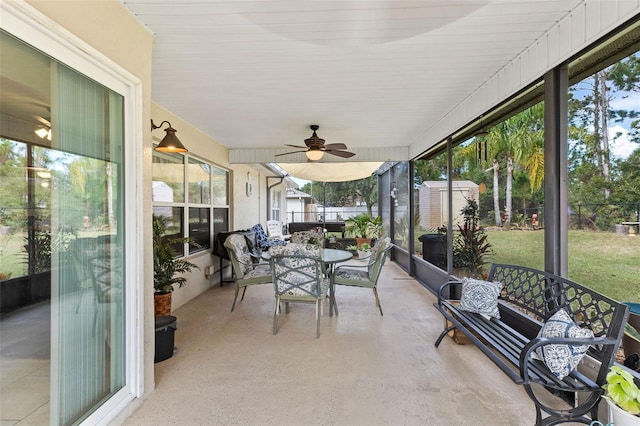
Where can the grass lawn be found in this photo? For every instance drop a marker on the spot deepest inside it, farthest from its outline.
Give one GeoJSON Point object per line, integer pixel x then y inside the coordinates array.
{"type": "Point", "coordinates": [606, 262]}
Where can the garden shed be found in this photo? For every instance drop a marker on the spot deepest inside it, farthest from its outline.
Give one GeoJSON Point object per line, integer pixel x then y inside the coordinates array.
{"type": "Point", "coordinates": [433, 204]}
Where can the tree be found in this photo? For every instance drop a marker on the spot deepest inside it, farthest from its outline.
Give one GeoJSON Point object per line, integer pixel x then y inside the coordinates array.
{"type": "Point", "coordinates": [341, 194]}
{"type": "Point", "coordinates": [517, 143]}
{"type": "Point", "coordinates": [628, 183]}
{"type": "Point", "coordinates": [12, 173]}
{"type": "Point", "coordinates": [590, 109]}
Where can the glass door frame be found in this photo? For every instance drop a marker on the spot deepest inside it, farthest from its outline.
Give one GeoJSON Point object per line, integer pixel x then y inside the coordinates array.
{"type": "Point", "coordinates": [39, 31]}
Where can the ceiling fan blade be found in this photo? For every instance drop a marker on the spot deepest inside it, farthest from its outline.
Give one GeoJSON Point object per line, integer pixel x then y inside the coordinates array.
{"type": "Point", "coordinates": [335, 146]}
{"type": "Point", "coordinates": [287, 153]}
{"type": "Point", "coordinates": [343, 154]}
{"type": "Point", "coordinates": [297, 146]}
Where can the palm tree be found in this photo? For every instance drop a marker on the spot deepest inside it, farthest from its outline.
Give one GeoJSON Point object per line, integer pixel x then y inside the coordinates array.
{"type": "Point", "coordinates": [517, 142]}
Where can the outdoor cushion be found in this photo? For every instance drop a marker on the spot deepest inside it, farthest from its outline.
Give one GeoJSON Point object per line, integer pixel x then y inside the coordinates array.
{"type": "Point", "coordinates": [304, 267]}
{"type": "Point", "coordinates": [562, 359]}
{"type": "Point", "coordinates": [314, 236]}
{"type": "Point", "coordinates": [262, 239]}
{"type": "Point", "coordinates": [238, 244]}
{"type": "Point", "coordinates": [352, 274]}
{"type": "Point", "coordinates": [480, 297]}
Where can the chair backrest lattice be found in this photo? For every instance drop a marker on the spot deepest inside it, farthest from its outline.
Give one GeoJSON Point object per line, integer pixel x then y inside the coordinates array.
{"type": "Point", "coordinates": [297, 270]}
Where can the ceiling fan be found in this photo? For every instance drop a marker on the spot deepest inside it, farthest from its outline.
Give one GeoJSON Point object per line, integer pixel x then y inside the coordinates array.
{"type": "Point", "coordinates": [315, 147]}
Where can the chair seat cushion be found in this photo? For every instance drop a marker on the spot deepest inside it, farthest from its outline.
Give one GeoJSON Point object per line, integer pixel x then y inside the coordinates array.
{"type": "Point", "coordinates": [258, 271]}
{"type": "Point", "coordinates": [349, 274]}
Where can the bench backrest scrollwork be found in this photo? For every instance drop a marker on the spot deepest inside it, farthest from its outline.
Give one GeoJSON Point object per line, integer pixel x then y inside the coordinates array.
{"type": "Point", "coordinates": [541, 294]}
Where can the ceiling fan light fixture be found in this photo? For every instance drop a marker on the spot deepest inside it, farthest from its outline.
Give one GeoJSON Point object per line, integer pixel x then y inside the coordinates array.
{"type": "Point", "coordinates": [315, 147]}
{"type": "Point", "coordinates": [314, 154]}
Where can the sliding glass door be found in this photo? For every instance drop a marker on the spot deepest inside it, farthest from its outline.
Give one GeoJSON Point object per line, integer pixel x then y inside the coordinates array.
{"type": "Point", "coordinates": [61, 163]}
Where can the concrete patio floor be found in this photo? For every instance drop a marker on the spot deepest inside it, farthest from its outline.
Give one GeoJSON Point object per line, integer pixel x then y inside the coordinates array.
{"type": "Point", "coordinates": [365, 369]}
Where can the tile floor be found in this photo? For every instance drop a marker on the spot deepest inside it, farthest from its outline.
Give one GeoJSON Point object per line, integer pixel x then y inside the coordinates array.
{"type": "Point", "coordinates": [365, 369]}
{"type": "Point", "coordinates": [24, 366]}
{"type": "Point", "coordinates": [229, 369]}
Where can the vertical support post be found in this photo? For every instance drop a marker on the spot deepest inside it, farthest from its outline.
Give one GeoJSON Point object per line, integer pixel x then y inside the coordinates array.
{"type": "Point", "coordinates": [450, 207]}
{"type": "Point", "coordinates": [579, 216]}
{"type": "Point", "coordinates": [412, 224]}
{"type": "Point", "coordinates": [556, 206]}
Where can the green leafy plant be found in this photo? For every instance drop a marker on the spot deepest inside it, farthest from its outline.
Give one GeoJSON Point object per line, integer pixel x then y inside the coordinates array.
{"type": "Point", "coordinates": [364, 226]}
{"type": "Point", "coordinates": [622, 390]}
{"type": "Point", "coordinates": [470, 245]}
{"type": "Point", "coordinates": [352, 247]}
{"type": "Point", "coordinates": [365, 247]}
{"type": "Point", "coordinates": [166, 265]}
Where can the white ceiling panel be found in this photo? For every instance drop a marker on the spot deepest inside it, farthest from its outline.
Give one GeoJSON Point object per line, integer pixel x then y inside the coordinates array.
{"type": "Point", "coordinates": [376, 73]}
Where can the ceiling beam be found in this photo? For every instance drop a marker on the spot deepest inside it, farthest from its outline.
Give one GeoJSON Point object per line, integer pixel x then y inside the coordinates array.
{"type": "Point", "coordinates": [253, 155]}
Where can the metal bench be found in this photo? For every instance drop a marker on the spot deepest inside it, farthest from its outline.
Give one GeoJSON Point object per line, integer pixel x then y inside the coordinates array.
{"type": "Point", "coordinates": [528, 298]}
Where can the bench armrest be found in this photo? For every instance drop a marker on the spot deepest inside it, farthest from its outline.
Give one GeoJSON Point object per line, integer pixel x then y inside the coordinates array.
{"type": "Point", "coordinates": [538, 342]}
{"type": "Point", "coordinates": [443, 287]}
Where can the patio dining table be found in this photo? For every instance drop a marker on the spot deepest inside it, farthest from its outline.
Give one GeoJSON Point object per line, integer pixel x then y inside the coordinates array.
{"type": "Point", "coordinates": [329, 257]}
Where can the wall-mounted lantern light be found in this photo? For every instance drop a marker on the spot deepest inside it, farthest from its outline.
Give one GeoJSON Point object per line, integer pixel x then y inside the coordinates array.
{"type": "Point", "coordinates": [170, 143]}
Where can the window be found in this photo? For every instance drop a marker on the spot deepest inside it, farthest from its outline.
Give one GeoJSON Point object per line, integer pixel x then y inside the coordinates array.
{"type": "Point", "coordinates": [275, 204]}
{"type": "Point", "coordinates": [206, 201]}
{"type": "Point", "coordinates": [400, 175]}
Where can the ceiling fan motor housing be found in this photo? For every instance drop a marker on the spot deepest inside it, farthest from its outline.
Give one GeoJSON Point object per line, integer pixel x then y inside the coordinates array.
{"type": "Point", "coordinates": [315, 143]}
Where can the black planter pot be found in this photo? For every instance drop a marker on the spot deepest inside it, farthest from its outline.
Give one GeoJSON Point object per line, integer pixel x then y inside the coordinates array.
{"type": "Point", "coordinates": [23, 291]}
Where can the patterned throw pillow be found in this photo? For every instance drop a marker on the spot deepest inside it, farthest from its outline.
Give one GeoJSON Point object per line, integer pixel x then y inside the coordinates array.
{"type": "Point", "coordinates": [562, 359]}
{"type": "Point", "coordinates": [480, 297]}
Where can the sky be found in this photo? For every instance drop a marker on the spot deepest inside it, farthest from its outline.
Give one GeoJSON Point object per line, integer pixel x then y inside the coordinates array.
{"type": "Point", "coordinates": [622, 147]}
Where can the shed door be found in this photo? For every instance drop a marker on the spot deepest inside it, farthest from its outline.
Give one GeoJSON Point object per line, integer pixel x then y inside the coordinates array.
{"type": "Point", "coordinates": [459, 202]}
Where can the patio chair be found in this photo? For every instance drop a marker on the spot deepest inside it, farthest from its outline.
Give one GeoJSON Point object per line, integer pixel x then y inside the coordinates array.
{"type": "Point", "coordinates": [313, 236]}
{"type": "Point", "coordinates": [274, 231]}
{"type": "Point", "coordinates": [263, 241]}
{"type": "Point", "coordinates": [364, 275]}
{"type": "Point", "coordinates": [107, 269]}
{"type": "Point", "coordinates": [298, 277]}
{"type": "Point", "coordinates": [247, 272]}
{"type": "Point", "coordinates": [96, 267]}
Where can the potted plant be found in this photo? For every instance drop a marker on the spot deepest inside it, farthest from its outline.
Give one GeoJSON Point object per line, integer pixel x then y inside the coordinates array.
{"type": "Point", "coordinates": [623, 397]}
{"type": "Point", "coordinates": [167, 267]}
{"type": "Point", "coordinates": [363, 227]}
{"type": "Point", "coordinates": [470, 245]}
{"type": "Point", "coordinates": [353, 249]}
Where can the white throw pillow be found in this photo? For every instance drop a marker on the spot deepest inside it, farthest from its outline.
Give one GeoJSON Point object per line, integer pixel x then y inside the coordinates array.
{"type": "Point", "coordinates": [480, 297]}
{"type": "Point", "coordinates": [562, 359]}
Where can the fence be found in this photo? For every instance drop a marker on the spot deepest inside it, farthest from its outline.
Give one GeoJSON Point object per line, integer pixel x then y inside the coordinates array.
{"type": "Point", "coordinates": [603, 217]}
{"type": "Point", "coordinates": [333, 214]}
{"type": "Point", "coordinates": [592, 216]}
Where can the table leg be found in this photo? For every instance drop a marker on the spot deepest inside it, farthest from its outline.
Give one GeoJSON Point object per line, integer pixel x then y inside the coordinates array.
{"type": "Point", "coordinates": [332, 295]}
